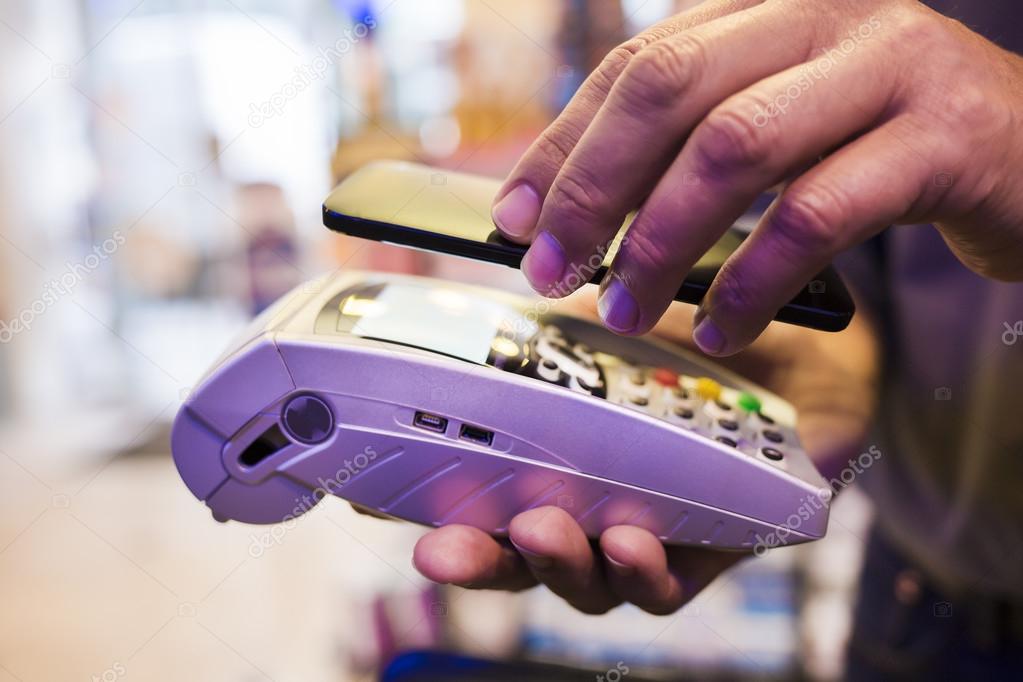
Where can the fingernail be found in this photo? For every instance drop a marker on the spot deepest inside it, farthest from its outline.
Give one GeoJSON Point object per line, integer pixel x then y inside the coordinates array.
{"type": "Point", "coordinates": [617, 307]}
{"type": "Point", "coordinates": [544, 263]}
{"type": "Point", "coordinates": [618, 567]}
{"type": "Point", "coordinates": [708, 337]}
{"type": "Point", "coordinates": [533, 559]}
{"type": "Point", "coordinates": [517, 212]}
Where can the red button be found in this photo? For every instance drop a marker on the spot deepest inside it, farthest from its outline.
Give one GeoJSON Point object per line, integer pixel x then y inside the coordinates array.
{"type": "Point", "coordinates": [665, 377]}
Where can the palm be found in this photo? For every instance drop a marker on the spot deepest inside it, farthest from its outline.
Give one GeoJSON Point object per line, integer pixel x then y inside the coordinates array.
{"type": "Point", "coordinates": [828, 378]}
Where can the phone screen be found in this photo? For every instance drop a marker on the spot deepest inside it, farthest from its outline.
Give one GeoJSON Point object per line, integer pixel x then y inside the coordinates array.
{"type": "Point", "coordinates": [437, 319]}
{"type": "Point", "coordinates": [448, 212]}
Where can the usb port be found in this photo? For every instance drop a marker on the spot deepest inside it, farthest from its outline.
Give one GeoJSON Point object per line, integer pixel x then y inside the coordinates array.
{"type": "Point", "coordinates": [476, 435]}
{"type": "Point", "coordinates": [431, 422]}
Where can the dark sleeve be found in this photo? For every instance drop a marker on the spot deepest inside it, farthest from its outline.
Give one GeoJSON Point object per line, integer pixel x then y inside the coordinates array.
{"type": "Point", "coordinates": [864, 271]}
{"type": "Point", "coordinates": [997, 20]}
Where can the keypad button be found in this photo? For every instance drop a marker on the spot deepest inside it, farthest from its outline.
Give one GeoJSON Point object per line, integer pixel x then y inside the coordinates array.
{"type": "Point", "coordinates": [728, 424]}
{"type": "Point", "coordinates": [748, 402]}
{"type": "Point", "coordinates": [680, 393]}
{"type": "Point", "coordinates": [708, 389]}
{"type": "Point", "coordinates": [773, 436]}
{"type": "Point", "coordinates": [583, 353]}
{"type": "Point", "coordinates": [683, 413]}
{"type": "Point", "coordinates": [773, 454]}
{"type": "Point", "coordinates": [548, 369]}
{"type": "Point", "coordinates": [716, 410]}
{"type": "Point", "coordinates": [764, 418]}
{"type": "Point", "coordinates": [639, 401]}
{"type": "Point", "coordinates": [637, 378]}
{"type": "Point", "coordinates": [665, 377]}
{"type": "Point", "coordinates": [589, 384]}
{"type": "Point", "coordinates": [723, 406]}
{"type": "Point", "coordinates": [726, 440]}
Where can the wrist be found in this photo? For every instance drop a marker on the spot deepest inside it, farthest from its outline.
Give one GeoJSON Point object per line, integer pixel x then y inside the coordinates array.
{"type": "Point", "coordinates": [983, 223]}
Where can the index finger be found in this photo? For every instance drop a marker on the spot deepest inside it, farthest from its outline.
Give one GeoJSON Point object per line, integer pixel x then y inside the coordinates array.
{"type": "Point", "coordinates": [517, 205]}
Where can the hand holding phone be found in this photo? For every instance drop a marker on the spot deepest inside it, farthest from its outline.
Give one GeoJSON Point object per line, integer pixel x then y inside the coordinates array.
{"type": "Point", "coordinates": [448, 212]}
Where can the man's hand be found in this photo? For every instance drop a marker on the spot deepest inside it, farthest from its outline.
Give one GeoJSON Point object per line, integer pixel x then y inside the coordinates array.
{"type": "Point", "coordinates": [874, 112]}
{"type": "Point", "coordinates": [829, 379]}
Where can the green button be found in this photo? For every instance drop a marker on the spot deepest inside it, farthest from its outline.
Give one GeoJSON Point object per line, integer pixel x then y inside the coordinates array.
{"type": "Point", "coordinates": [749, 402]}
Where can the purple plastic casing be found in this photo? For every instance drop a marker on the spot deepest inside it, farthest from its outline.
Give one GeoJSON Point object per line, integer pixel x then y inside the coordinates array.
{"type": "Point", "coordinates": [603, 463]}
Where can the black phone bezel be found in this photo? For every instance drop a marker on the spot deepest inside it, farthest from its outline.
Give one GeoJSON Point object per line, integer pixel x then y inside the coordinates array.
{"type": "Point", "coordinates": [824, 304]}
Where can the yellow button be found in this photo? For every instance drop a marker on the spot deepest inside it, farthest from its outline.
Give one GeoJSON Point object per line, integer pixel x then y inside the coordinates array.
{"type": "Point", "coordinates": [708, 389]}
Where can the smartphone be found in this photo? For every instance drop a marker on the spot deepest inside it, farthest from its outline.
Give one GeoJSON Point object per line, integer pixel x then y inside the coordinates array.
{"type": "Point", "coordinates": [442, 211]}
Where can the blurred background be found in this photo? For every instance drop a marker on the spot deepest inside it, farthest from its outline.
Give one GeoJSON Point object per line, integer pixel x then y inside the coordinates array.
{"type": "Point", "coordinates": [162, 166]}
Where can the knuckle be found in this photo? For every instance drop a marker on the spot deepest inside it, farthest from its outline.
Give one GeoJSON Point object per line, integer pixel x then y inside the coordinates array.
{"type": "Point", "coordinates": [577, 194]}
{"type": "Point", "coordinates": [731, 295]}
{"type": "Point", "coordinates": [557, 142]}
{"type": "Point", "coordinates": [729, 140]}
{"type": "Point", "coordinates": [805, 221]}
{"type": "Point", "coordinates": [921, 30]}
{"type": "Point", "coordinates": [616, 61]}
{"type": "Point", "coordinates": [619, 58]}
{"type": "Point", "coordinates": [648, 253]}
{"type": "Point", "coordinates": [970, 106]}
{"type": "Point", "coordinates": [664, 71]}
